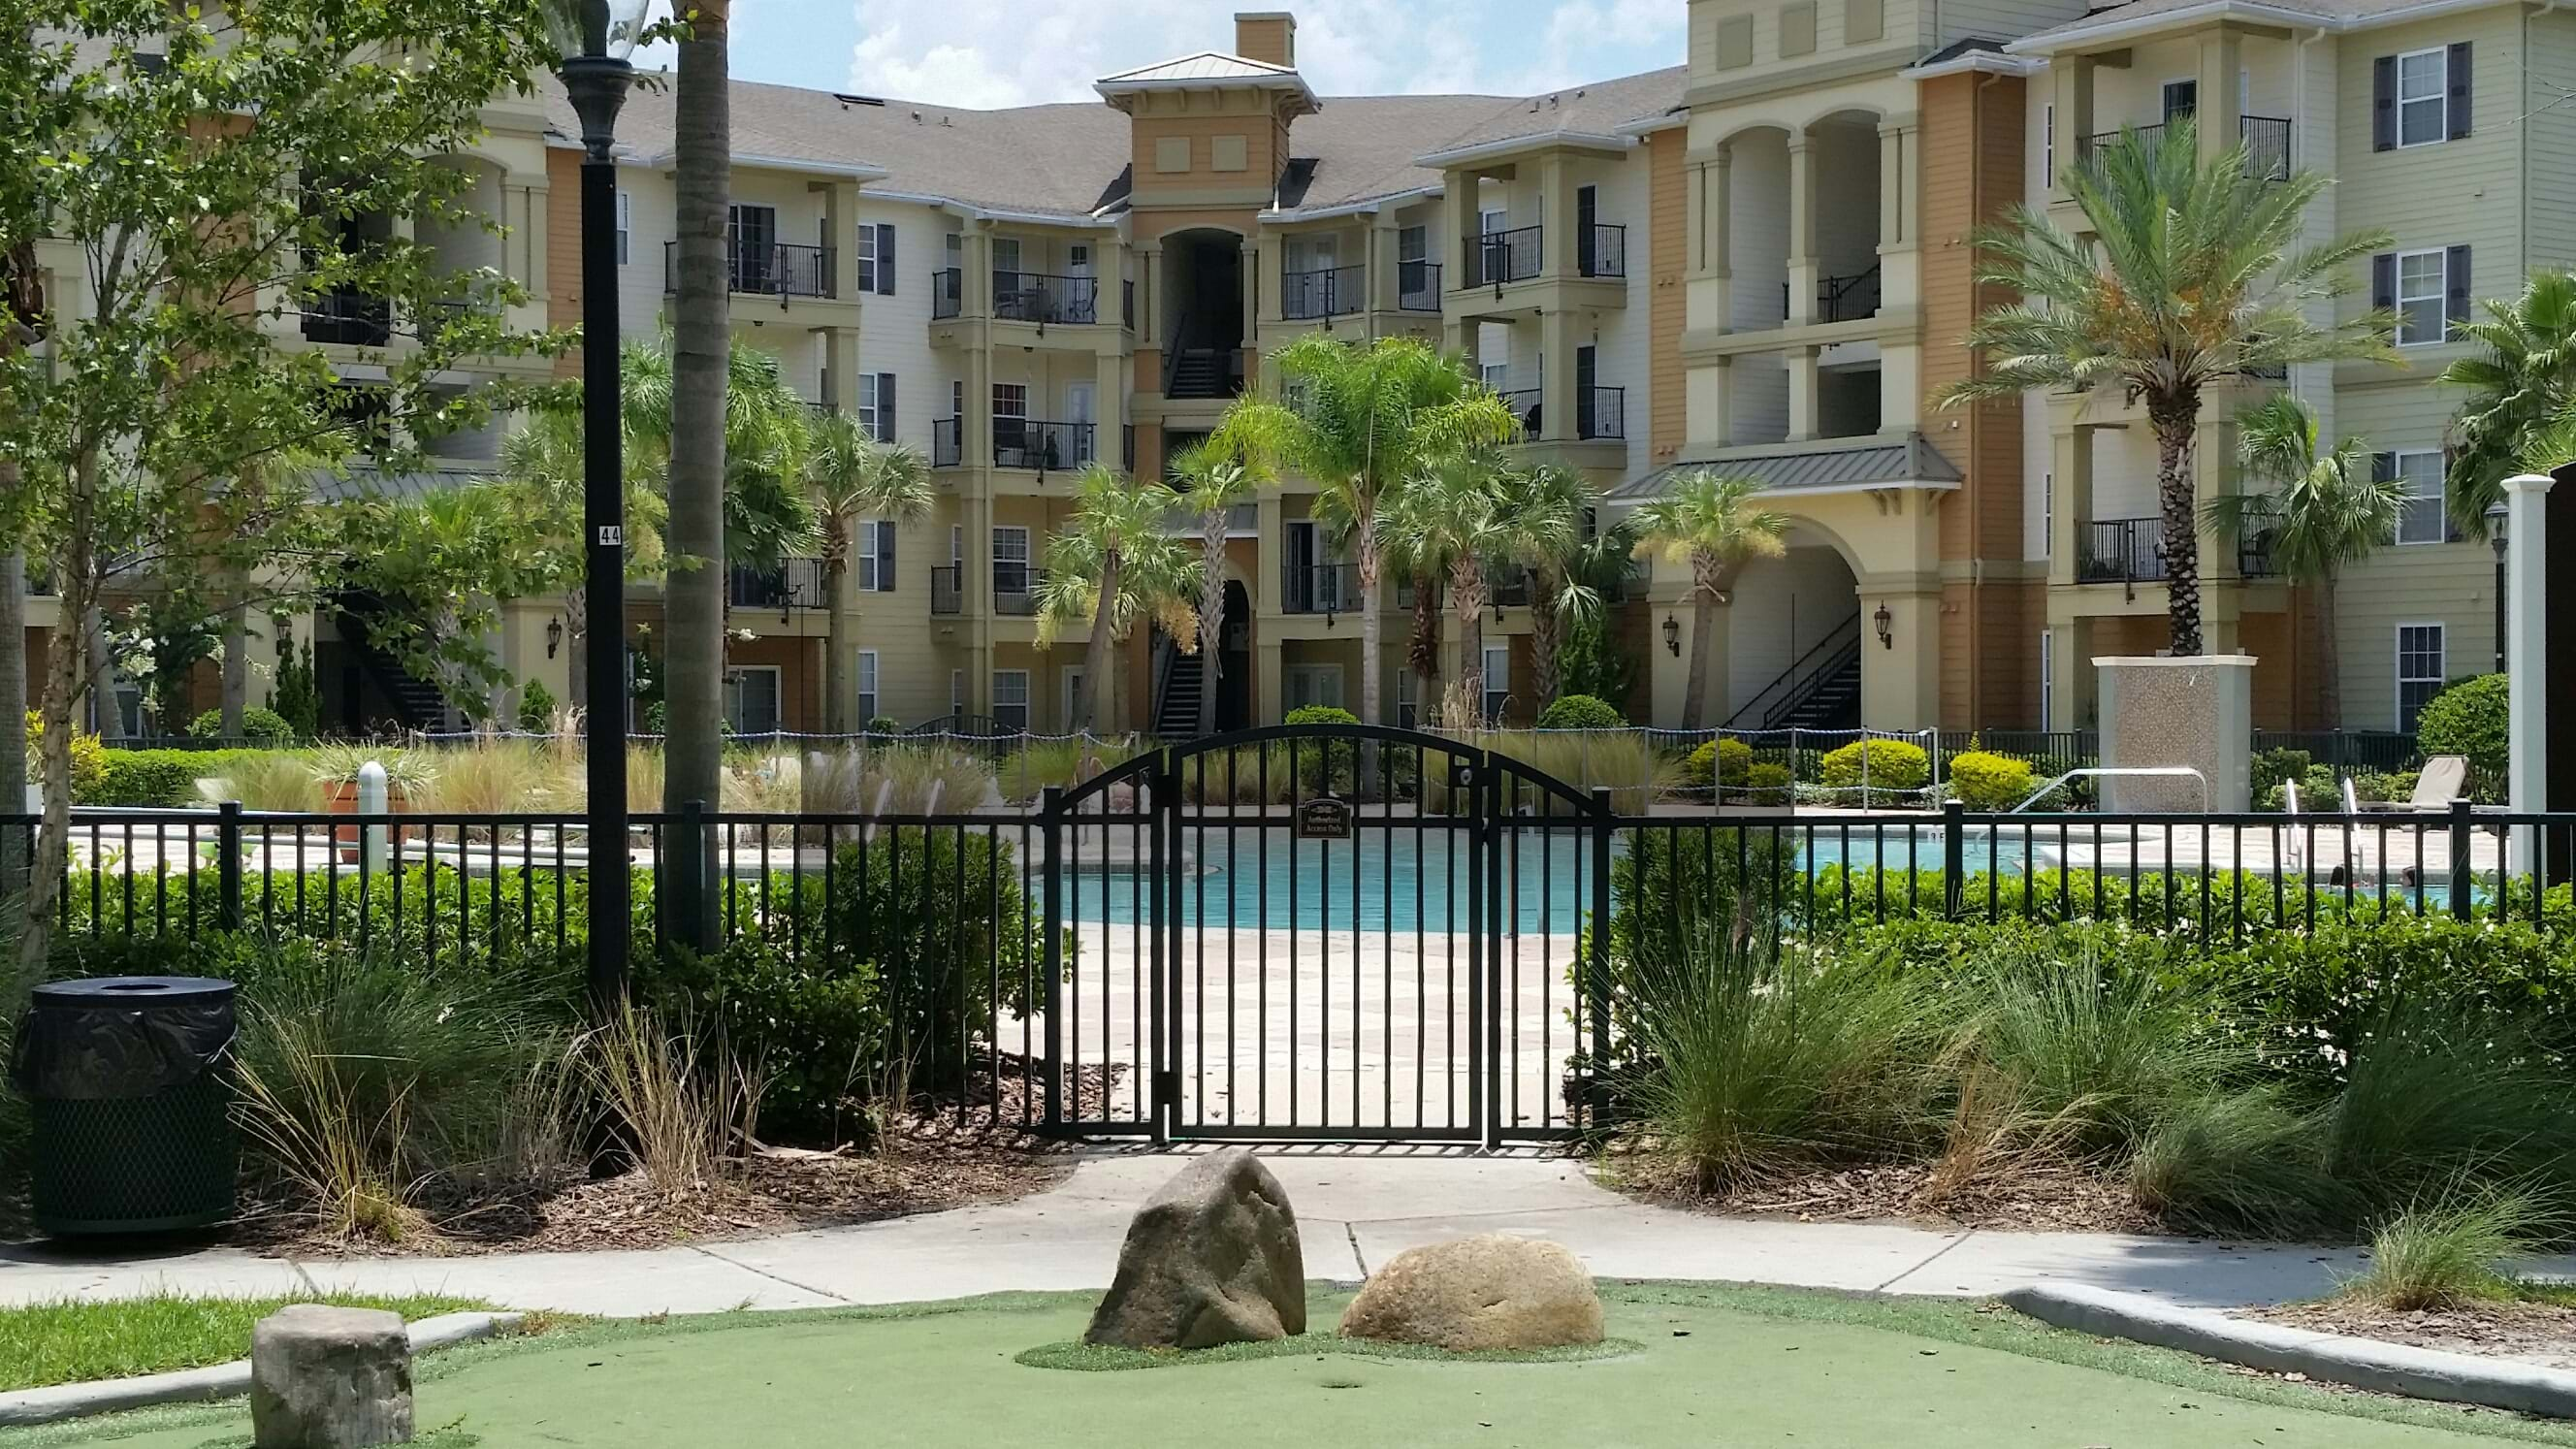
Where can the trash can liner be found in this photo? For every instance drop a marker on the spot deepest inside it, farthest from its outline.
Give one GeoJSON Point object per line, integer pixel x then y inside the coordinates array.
{"type": "Point", "coordinates": [120, 1037]}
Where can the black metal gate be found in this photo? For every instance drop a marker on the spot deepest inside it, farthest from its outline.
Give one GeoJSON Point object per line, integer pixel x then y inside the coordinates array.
{"type": "Point", "coordinates": [1324, 932]}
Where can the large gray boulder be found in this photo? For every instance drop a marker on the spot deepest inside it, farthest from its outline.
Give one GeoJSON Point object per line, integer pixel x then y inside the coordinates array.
{"type": "Point", "coordinates": [329, 1378]}
{"type": "Point", "coordinates": [1484, 1292]}
{"type": "Point", "coordinates": [1211, 1258]}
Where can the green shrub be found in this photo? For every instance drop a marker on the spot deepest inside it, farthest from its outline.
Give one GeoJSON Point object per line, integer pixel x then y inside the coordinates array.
{"type": "Point", "coordinates": [1880, 765]}
{"type": "Point", "coordinates": [536, 708]}
{"type": "Point", "coordinates": [1765, 784]}
{"type": "Point", "coordinates": [2439, 1096]}
{"type": "Point", "coordinates": [1986, 781]}
{"type": "Point", "coordinates": [1321, 714]}
{"type": "Point", "coordinates": [2239, 1163]}
{"type": "Point", "coordinates": [2396, 786]}
{"type": "Point", "coordinates": [154, 778]}
{"type": "Point", "coordinates": [1721, 761]}
{"type": "Point", "coordinates": [2445, 1253]}
{"type": "Point", "coordinates": [260, 726]}
{"type": "Point", "coordinates": [2470, 718]}
{"type": "Point", "coordinates": [883, 724]}
{"type": "Point", "coordinates": [816, 1028]}
{"type": "Point", "coordinates": [297, 697]}
{"type": "Point", "coordinates": [1580, 712]}
{"type": "Point", "coordinates": [89, 760]}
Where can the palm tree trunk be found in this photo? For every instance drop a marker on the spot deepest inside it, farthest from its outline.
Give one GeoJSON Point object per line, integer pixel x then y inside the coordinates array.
{"type": "Point", "coordinates": [2329, 660]}
{"type": "Point", "coordinates": [1096, 662]}
{"type": "Point", "coordinates": [840, 686]}
{"type": "Point", "coordinates": [576, 638]}
{"type": "Point", "coordinates": [1467, 596]}
{"type": "Point", "coordinates": [2178, 499]}
{"type": "Point", "coordinates": [1371, 711]}
{"type": "Point", "coordinates": [1425, 650]}
{"type": "Point", "coordinates": [1547, 632]}
{"type": "Point", "coordinates": [1703, 645]}
{"type": "Point", "coordinates": [1211, 614]}
{"type": "Point", "coordinates": [701, 313]}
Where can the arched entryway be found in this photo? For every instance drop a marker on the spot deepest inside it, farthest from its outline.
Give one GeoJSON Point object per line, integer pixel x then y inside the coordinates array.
{"type": "Point", "coordinates": [1794, 648]}
{"type": "Point", "coordinates": [1202, 314]}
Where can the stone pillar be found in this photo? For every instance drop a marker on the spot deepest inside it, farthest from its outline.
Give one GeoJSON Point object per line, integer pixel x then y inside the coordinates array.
{"type": "Point", "coordinates": [2071, 78]}
{"type": "Point", "coordinates": [1556, 348]}
{"type": "Point", "coordinates": [2195, 712]}
{"type": "Point", "coordinates": [2527, 653]}
{"type": "Point", "coordinates": [1458, 200]}
{"type": "Point", "coordinates": [1711, 391]}
{"type": "Point", "coordinates": [841, 224]}
{"type": "Point", "coordinates": [1804, 421]}
{"type": "Point", "coordinates": [1385, 262]}
{"type": "Point", "coordinates": [1109, 407]}
{"type": "Point", "coordinates": [1802, 230]}
{"type": "Point", "coordinates": [1560, 250]}
{"type": "Point", "coordinates": [841, 348]}
{"type": "Point", "coordinates": [2221, 108]}
{"type": "Point", "coordinates": [330, 1378]}
{"type": "Point", "coordinates": [1900, 686]}
{"type": "Point", "coordinates": [976, 442]}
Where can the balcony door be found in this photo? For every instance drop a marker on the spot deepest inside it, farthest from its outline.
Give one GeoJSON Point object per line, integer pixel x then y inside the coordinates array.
{"type": "Point", "coordinates": [751, 246]}
{"type": "Point", "coordinates": [1081, 410]}
{"type": "Point", "coordinates": [1587, 229]}
{"type": "Point", "coordinates": [2181, 98]}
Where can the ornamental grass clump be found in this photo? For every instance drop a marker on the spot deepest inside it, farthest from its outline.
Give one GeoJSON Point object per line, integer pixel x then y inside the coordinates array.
{"type": "Point", "coordinates": [2451, 1250]}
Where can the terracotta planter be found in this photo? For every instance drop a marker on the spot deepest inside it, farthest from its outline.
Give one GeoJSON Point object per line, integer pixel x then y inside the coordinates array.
{"type": "Point", "coordinates": [340, 797]}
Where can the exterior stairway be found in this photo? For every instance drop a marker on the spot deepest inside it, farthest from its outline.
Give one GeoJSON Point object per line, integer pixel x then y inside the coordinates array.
{"type": "Point", "coordinates": [1176, 714]}
{"type": "Point", "coordinates": [1197, 374]}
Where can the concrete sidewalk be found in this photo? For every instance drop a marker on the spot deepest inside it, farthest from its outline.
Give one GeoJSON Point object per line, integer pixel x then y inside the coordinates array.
{"type": "Point", "coordinates": [1356, 1206]}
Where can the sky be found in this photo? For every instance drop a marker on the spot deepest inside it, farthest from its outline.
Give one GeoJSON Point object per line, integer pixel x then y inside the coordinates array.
{"type": "Point", "coordinates": [987, 53]}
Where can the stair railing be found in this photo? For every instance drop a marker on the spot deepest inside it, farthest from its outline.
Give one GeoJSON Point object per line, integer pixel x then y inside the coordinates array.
{"type": "Point", "coordinates": [1807, 673]}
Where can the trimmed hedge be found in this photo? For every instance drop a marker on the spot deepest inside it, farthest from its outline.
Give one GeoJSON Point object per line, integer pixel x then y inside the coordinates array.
{"type": "Point", "coordinates": [1877, 765]}
{"type": "Point", "coordinates": [2470, 717]}
{"type": "Point", "coordinates": [1581, 712]}
{"type": "Point", "coordinates": [154, 779]}
{"type": "Point", "coordinates": [1985, 781]}
{"type": "Point", "coordinates": [266, 726]}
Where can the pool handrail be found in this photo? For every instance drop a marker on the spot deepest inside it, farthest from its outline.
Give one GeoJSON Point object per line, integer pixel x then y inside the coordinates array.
{"type": "Point", "coordinates": [2126, 772]}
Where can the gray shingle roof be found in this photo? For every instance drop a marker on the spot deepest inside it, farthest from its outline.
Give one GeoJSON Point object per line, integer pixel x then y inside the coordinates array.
{"type": "Point", "coordinates": [1600, 108]}
{"type": "Point", "coordinates": [2334, 13]}
{"type": "Point", "coordinates": [1913, 462]}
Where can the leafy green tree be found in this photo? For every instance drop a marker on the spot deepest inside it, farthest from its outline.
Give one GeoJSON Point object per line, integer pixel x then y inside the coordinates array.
{"type": "Point", "coordinates": [2198, 277]}
{"type": "Point", "coordinates": [854, 477]}
{"type": "Point", "coordinates": [2321, 513]}
{"type": "Point", "coordinates": [2520, 385]}
{"type": "Point", "coordinates": [1358, 420]}
{"type": "Point", "coordinates": [1714, 524]}
{"type": "Point", "coordinates": [1213, 476]}
{"type": "Point", "coordinates": [1112, 567]}
{"type": "Point", "coordinates": [296, 694]}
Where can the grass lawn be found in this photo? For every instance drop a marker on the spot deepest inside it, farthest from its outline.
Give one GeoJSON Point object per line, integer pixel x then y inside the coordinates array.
{"type": "Point", "coordinates": [1715, 1365]}
{"type": "Point", "coordinates": [73, 1342]}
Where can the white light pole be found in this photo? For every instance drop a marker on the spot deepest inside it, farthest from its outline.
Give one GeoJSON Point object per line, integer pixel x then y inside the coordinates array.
{"type": "Point", "coordinates": [2526, 656]}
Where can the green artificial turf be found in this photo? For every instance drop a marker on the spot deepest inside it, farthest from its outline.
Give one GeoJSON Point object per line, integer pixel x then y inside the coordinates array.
{"type": "Point", "coordinates": [1083, 1357]}
{"type": "Point", "coordinates": [1713, 1365]}
{"type": "Point", "coordinates": [77, 1341]}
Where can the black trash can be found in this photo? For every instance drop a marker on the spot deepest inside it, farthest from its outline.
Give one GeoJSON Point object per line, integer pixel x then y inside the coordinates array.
{"type": "Point", "coordinates": [129, 1080]}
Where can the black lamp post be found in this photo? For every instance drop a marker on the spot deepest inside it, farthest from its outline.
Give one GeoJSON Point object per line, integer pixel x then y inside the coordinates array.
{"type": "Point", "coordinates": [596, 37]}
{"type": "Point", "coordinates": [2496, 515]}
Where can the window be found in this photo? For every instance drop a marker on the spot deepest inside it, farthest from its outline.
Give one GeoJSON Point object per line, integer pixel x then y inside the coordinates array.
{"type": "Point", "coordinates": [1498, 681]}
{"type": "Point", "coordinates": [876, 259]}
{"type": "Point", "coordinates": [2422, 518]}
{"type": "Point", "coordinates": [2422, 290]}
{"type": "Point", "coordinates": [2419, 669]}
{"type": "Point", "coordinates": [1312, 684]}
{"type": "Point", "coordinates": [1492, 219]}
{"type": "Point", "coordinates": [956, 399]}
{"type": "Point", "coordinates": [874, 547]}
{"type": "Point", "coordinates": [1010, 559]}
{"type": "Point", "coordinates": [1072, 700]}
{"type": "Point", "coordinates": [1408, 699]}
{"type": "Point", "coordinates": [751, 699]}
{"type": "Point", "coordinates": [2423, 97]}
{"type": "Point", "coordinates": [2047, 677]}
{"type": "Point", "coordinates": [867, 257]}
{"type": "Point", "coordinates": [956, 693]}
{"type": "Point", "coordinates": [1011, 698]}
{"type": "Point", "coordinates": [867, 685]}
{"type": "Point", "coordinates": [876, 405]}
{"type": "Point", "coordinates": [625, 225]}
{"type": "Point", "coordinates": [1006, 264]}
{"type": "Point", "coordinates": [2181, 98]}
{"type": "Point", "coordinates": [1010, 400]}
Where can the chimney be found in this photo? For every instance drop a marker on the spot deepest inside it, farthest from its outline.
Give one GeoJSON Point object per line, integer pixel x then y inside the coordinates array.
{"type": "Point", "coordinates": [1268, 36]}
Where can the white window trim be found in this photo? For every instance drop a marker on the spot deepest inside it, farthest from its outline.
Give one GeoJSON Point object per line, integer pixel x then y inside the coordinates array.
{"type": "Point", "coordinates": [1021, 676]}
{"type": "Point", "coordinates": [867, 256]}
{"type": "Point", "coordinates": [2163, 115]}
{"type": "Point", "coordinates": [2048, 145]}
{"type": "Point", "coordinates": [2441, 297]}
{"type": "Point", "coordinates": [2397, 458]}
{"type": "Point", "coordinates": [2397, 660]}
{"type": "Point", "coordinates": [2441, 96]}
{"type": "Point", "coordinates": [777, 692]}
{"type": "Point", "coordinates": [625, 225]}
{"type": "Point", "coordinates": [1497, 682]}
{"type": "Point", "coordinates": [867, 680]}
{"type": "Point", "coordinates": [2047, 678]}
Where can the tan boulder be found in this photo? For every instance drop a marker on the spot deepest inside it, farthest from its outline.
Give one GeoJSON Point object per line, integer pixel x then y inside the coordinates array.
{"type": "Point", "coordinates": [1211, 1258]}
{"type": "Point", "coordinates": [1484, 1292]}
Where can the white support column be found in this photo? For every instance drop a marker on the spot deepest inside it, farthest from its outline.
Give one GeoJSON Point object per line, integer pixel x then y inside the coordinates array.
{"type": "Point", "coordinates": [1805, 413]}
{"type": "Point", "coordinates": [1802, 230]}
{"type": "Point", "coordinates": [2527, 653]}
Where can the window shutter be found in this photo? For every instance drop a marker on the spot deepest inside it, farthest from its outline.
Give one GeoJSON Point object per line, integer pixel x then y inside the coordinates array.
{"type": "Point", "coordinates": [2455, 281]}
{"type": "Point", "coordinates": [885, 557]}
{"type": "Point", "coordinates": [2383, 103]}
{"type": "Point", "coordinates": [885, 260]}
{"type": "Point", "coordinates": [2383, 281]}
{"type": "Point", "coordinates": [2459, 107]}
{"type": "Point", "coordinates": [885, 407]}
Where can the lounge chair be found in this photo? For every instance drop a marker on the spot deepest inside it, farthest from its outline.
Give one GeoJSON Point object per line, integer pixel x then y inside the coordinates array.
{"type": "Point", "coordinates": [2443, 779]}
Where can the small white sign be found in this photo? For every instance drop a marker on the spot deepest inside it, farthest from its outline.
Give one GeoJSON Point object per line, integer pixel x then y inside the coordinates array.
{"type": "Point", "coordinates": [612, 536]}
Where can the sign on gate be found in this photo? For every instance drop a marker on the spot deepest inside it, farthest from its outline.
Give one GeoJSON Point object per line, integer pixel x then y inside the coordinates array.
{"type": "Point", "coordinates": [1326, 817]}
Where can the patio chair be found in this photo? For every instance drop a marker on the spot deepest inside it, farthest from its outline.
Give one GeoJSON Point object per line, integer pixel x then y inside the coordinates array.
{"type": "Point", "coordinates": [2443, 779]}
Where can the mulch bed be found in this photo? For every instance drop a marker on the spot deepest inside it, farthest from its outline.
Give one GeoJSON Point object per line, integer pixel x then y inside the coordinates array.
{"type": "Point", "coordinates": [2536, 1333]}
{"type": "Point", "coordinates": [2037, 1197]}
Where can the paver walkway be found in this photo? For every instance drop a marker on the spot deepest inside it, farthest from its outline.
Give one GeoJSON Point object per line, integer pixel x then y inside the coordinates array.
{"type": "Point", "coordinates": [1357, 1208]}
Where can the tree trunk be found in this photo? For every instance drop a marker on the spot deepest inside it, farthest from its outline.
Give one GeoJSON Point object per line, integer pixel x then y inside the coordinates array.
{"type": "Point", "coordinates": [1467, 597]}
{"type": "Point", "coordinates": [1703, 644]}
{"type": "Point", "coordinates": [2329, 661]}
{"type": "Point", "coordinates": [1365, 523]}
{"type": "Point", "coordinates": [840, 666]}
{"type": "Point", "coordinates": [1425, 649]}
{"type": "Point", "coordinates": [2178, 499]}
{"type": "Point", "coordinates": [693, 595]}
{"type": "Point", "coordinates": [65, 672]}
{"type": "Point", "coordinates": [576, 609]}
{"type": "Point", "coordinates": [1096, 662]}
{"type": "Point", "coordinates": [236, 667]}
{"type": "Point", "coordinates": [1211, 614]}
{"type": "Point", "coordinates": [15, 849]}
{"type": "Point", "coordinates": [102, 675]}
{"type": "Point", "coordinates": [1547, 634]}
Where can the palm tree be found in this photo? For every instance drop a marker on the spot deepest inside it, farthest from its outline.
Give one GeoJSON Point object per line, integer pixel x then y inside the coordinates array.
{"type": "Point", "coordinates": [2323, 513]}
{"type": "Point", "coordinates": [856, 477]}
{"type": "Point", "coordinates": [1214, 475]}
{"type": "Point", "coordinates": [2200, 281]}
{"type": "Point", "coordinates": [1544, 512]}
{"type": "Point", "coordinates": [766, 512]}
{"type": "Point", "coordinates": [2523, 382]}
{"type": "Point", "coordinates": [1454, 511]}
{"type": "Point", "coordinates": [1419, 560]}
{"type": "Point", "coordinates": [1711, 522]}
{"type": "Point", "coordinates": [1112, 566]}
{"type": "Point", "coordinates": [1363, 418]}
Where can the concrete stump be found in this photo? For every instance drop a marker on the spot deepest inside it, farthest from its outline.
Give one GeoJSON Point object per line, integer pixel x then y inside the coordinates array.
{"type": "Point", "coordinates": [2161, 713]}
{"type": "Point", "coordinates": [330, 1378]}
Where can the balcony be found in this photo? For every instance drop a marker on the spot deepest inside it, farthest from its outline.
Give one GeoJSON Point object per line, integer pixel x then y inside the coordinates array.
{"type": "Point", "coordinates": [1036, 297]}
{"type": "Point", "coordinates": [1332, 588]}
{"type": "Point", "coordinates": [800, 584]}
{"type": "Point", "coordinates": [1327, 292]}
{"type": "Point", "coordinates": [2121, 551]}
{"type": "Point", "coordinates": [1017, 443]}
{"type": "Point", "coordinates": [1498, 257]}
{"type": "Point", "coordinates": [948, 590]}
{"type": "Point", "coordinates": [1848, 299]}
{"type": "Point", "coordinates": [1601, 251]}
{"type": "Point", "coordinates": [775, 270]}
{"type": "Point", "coordinates": [2266, 138]}
{"type": "Point", "coordinates": [350, 318]}
{"type": "Point", "coordinates": [1600, 414]}
{"type": "Point", "coordinates": [1417, 286]}
{"type": "Point", "coordinates": [1016, 587]}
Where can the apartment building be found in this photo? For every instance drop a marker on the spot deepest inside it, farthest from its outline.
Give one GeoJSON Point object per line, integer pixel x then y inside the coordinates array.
{"type": "Point", "coordinates": [1758, 260]}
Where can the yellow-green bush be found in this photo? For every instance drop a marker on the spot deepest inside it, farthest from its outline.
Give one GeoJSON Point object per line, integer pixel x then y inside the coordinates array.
{"type": "Point", "coordinates": [1719, 762]}
{"type": "Point", "coordinates": [89, 758]}
{"type": "Point", "coordinates": [1879, 764]}
{"type": "Point", "coordinates": [1984, 780]}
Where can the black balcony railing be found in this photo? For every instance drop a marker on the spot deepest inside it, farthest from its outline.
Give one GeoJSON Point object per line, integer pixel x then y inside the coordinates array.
{"type": "Point", "coordinates": [1417, 286]}
{"type": "Point", "coordinates": [1037, 297]}
{"type": "Point", "coordinates": [1600, 412]}
{"type": "Point", "coordinates": [1524, 403]}
{"type": "Point", "coordinates": [1601, 251]}
{"type": "Point", "coordinates": [2255, 533]}
{"type": "Point", "coordinates": [1332, 588]}
{"type": "Point", "coordinates": [1324, 292]}
{"type": "Point", "coordinates": [947, 442]}
{"type": "Point", "coordinates": [2266, 138]}
{"type": "Point", "coordinates": [1047, 447]}
{"type": "Point", "coordinates": [2121, 550]}
{"type": "Point", "coordinates": [350, 318]}
{"type": "Point", "coordinates": [800, 584]}
{"type": "Point", "coordinates": [947, 294]}
{"type": "Point", "coordinates": [779, 269]}
{"type": "Point", "coordinates": [1847, 299]}
{"type": "Point", "coordinates": [1016, 587]}
{"type": "Point", "coordinates": [948, 590]}
{"type": "Point", "coordinates": [1505, 256]}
